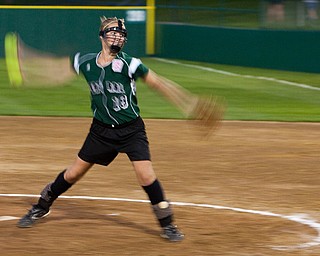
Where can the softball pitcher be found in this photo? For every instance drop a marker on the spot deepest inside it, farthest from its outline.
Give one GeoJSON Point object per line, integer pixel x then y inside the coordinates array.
{"type": "Point", "coordinates": [116, 127]}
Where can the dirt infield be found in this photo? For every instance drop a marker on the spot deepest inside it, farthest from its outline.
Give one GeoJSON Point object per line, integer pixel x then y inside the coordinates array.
{"type": "Point", "coordinates": [262, 173]}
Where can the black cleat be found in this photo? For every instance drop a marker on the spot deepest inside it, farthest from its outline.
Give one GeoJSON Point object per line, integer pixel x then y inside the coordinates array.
{"type": "Point", "coordinates": [172, 233]}
{"type": "Point", "coordinates": [34, 214]}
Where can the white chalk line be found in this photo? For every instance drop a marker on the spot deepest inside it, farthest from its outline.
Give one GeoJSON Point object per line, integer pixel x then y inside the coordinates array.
{"type": "Point", "coordinates": [301, 218]}
{"type": "Point", "coordinates": [305, 86]}
{"type": "Point", "coordinates": [3, 218]}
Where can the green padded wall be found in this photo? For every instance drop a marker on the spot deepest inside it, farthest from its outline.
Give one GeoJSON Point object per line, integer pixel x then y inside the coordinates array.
{"type": "Point", "coordinates": [65, 31]}
{"type": "Point", "coordinates": [274, 49]}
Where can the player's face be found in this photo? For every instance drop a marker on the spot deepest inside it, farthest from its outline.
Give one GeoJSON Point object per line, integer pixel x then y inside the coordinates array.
{"type": "Point", "coordinates": [115, 38]}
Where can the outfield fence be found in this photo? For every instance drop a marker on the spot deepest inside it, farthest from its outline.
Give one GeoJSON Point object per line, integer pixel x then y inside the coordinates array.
{"type": "Point", "coordinates": [63, 30]}
{"type": "Point", "coordinates": [257, 14]}
{"type": "Point", "coordinates": [235, 32]}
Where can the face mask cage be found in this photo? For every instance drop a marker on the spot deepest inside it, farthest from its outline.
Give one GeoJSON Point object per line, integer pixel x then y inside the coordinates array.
{"type": "Point", "coordinates": [123, 32]}
{"type": "Point", "coordinates": [117, 43]}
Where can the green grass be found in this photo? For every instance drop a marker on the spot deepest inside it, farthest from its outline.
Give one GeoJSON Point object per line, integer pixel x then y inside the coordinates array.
{"type": "Point", "coordinates": [247, 99]}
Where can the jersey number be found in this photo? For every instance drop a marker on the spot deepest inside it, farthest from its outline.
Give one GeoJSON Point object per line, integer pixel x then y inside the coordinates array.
{"type": "Point", "coordinates": [120, 102]}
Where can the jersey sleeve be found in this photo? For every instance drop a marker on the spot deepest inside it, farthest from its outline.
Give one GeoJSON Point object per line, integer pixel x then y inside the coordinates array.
{"type": "Point", "coordinates": [138, 69]}
{"type": "Point", "coordinates": [75, 62]}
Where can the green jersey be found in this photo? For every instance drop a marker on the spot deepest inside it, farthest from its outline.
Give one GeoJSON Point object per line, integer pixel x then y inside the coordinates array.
{"type": "Point", "coordinates": [113, 87]}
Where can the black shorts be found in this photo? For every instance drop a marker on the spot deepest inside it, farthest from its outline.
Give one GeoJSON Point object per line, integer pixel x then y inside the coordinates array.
{"type": "Point", "coordinates": [105, 142]}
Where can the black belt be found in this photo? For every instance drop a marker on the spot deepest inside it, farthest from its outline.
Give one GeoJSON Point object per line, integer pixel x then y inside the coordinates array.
{"type": "Point", "coordinates": [115, 126]}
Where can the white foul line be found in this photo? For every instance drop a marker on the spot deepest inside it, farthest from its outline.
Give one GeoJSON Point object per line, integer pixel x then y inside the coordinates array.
{"type": "Point", "coordinates": [305, 86]}
{"type": "Point", "coordinates": [3, 218]}
{"type": "Point", "coordinates": [301, 219]}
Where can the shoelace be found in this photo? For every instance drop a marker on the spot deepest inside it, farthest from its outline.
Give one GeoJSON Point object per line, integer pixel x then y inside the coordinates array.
{"type": "Point", "coordinates": [172, 229]}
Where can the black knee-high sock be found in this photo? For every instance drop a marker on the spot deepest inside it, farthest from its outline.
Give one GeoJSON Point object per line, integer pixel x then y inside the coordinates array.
{"type": "Point", "coordinates": [60, 185]}
{"type": "Point", "coordinates": [155, 192]}
{"type": "Point", "coordinates": [156, 195]}
{"type": "Point", "coordinates": [53, 190]}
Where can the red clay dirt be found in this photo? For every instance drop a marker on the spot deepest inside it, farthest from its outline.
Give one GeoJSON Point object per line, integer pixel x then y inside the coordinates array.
{"type": "Point", "coordinates": [254, 168]}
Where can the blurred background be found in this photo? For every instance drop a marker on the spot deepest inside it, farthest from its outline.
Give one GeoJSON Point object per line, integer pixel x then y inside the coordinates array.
{"type": "Point", "coordinates": [240, 41]}
{"type": "Point", "coordinates": [289, 14]}
{"type": "Point", "coordinates": [289, 29]}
